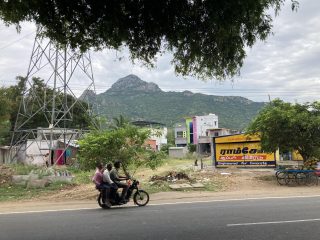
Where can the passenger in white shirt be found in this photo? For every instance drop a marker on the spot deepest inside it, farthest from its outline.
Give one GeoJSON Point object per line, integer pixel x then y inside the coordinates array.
{"type": "Point", "coordinates": [109, 182]}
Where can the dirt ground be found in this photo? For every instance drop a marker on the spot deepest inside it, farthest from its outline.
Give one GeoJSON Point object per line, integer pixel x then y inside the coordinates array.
{"type": "Point", "coordinates": [233, 180]}
{"type": "Point", "coordinates": [238, 184]}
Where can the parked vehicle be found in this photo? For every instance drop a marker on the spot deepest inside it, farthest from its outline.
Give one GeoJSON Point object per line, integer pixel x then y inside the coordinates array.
{"type": "Point", "coordinates": [140, 197]}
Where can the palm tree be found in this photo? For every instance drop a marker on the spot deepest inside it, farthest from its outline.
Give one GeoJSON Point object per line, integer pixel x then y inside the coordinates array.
{"type": "Point", "coordinates": [119, 122]}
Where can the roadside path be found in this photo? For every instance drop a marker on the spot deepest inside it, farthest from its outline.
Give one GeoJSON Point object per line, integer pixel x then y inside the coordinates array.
{"type": "Point", "coordinates": [165, 198]}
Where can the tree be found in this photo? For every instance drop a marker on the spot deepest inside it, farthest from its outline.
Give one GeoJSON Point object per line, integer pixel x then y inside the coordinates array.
{"type": "Point", "coordinates": [289, 127]}
{"type": "Point", "coordinates": [125, 143]}
{"type": "Point", "coordinates": [207, 38]}
{"type": "Point", "coordinates": [36, 98]}
{"type": "Point", "coordinates": [119, 122]}
{"type": "Point", "coordinates": [5, 105]}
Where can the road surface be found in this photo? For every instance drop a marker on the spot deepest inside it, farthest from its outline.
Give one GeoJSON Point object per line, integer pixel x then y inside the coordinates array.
{"type": "Point", "coordinates": [266, 218]}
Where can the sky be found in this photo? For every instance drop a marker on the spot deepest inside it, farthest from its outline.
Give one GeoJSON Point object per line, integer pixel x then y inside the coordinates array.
{"type": "Point", "coordinates": [285, 66]}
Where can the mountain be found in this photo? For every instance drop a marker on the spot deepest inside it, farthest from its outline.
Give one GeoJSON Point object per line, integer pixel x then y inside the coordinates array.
{"type": "Point", "coordinates": [139, 100]}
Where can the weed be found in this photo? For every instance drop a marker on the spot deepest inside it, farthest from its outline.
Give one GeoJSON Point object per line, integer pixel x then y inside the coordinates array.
{"type": "Point", "coordinates": [21, 169]}
{"type": "Point", "coordinates": [16, 192]}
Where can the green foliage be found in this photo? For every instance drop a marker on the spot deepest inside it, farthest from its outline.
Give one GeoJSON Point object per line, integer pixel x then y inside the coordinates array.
{"type": "Point", "coordinates": [125, 144]}
{"type": "Point", "coordinates": [5, 105]}
{"type": "Point", "coordinates": [207, 38]}
{"type": "Point", "coordinates": [80, 176]}
{"type": "Point", "coordinates": [5, 109]}
{"type": "Point", "coordinates": [170, 137]}
{"type": "Point", "coordinates": [119, 122]}
{"type": "Point", "coordinates": [192, 148]}
{"type": "Point", "coordinates": [289, 127]}
{"type": "Point", "coordinates": [36, 99]}
{"type": "Point", "coordinates": [23, 169]}
{"type": "Point", "coordinates": [165, 148]}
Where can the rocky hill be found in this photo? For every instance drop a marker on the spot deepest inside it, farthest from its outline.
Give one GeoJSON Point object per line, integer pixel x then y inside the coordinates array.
{"type": "Point", "coordinates": [139, 100]}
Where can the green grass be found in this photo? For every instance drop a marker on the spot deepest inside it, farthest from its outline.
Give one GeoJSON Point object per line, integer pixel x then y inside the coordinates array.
{"type": "Point", "coordinates": [82, 177]}
{"type": "Point", "coordinates": [21, 169]}
{"type": "Point", "coordinates": [8, 193]}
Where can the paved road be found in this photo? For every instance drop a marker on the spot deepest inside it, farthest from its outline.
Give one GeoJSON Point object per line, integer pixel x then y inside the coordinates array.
{"type": "Point", "coordinates": [272, 219]}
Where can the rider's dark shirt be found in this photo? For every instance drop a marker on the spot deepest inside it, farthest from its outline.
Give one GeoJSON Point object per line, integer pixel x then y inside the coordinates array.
{"type": "Point", "coordinates": [114, 175]}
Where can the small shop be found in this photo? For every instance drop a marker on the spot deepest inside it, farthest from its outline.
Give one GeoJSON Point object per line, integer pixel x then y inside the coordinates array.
{"type": "Point", "coordinates": [241, 150]}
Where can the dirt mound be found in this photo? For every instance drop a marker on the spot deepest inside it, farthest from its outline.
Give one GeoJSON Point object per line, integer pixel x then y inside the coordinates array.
{"type": "Point", "coordinates": [170, 176]}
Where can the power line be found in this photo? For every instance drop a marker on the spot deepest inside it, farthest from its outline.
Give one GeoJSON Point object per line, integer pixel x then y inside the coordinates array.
{"type": "Point", "coordinates": [18, 40]}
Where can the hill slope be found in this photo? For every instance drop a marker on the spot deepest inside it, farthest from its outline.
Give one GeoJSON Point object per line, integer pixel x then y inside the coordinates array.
{"type": "Point", "coordinates": [139, 100]}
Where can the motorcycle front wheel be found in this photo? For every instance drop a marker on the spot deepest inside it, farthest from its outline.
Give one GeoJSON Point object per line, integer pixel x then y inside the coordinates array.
{"type": "Point", "coordinates": [141, 198]}
{"type": "Point", "coordinates": [101, 204]}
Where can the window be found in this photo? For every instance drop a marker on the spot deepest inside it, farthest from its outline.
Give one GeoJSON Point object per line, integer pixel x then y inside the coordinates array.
{"type": "Point", "coordinates": [180, 134]}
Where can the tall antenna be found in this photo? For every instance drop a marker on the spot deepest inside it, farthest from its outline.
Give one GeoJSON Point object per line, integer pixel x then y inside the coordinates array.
{"type": "Point", "coordinates": [66, 73]}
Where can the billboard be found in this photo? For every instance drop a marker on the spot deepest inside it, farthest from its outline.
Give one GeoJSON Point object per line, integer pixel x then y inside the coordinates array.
{"type": "Point", "coordinates": [241, 150]}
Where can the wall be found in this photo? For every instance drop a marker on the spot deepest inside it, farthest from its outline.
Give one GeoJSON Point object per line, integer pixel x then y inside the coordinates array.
{"type": "Point", "coordinates": [160, 136]}
{"type": "Point", "coordinates": [36, 151]}
{"type": "Point", "coordinates": [5, 156]}
{"type": "Point", "coordinates": [189, 126]}
{"type": "Point", "coordinates": [202, 123]}
{"type": "Point", "coordinates": [152, 144]}
{"type": "Point", "coordinates": [177, 152]}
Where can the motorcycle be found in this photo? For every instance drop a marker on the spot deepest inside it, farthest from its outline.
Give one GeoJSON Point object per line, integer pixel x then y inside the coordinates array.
{"type": "Point", "coordinates": [140, 197]}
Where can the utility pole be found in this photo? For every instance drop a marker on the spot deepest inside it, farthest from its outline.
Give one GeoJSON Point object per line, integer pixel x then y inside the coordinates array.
{"type": "Point", "coordinates": [65, 72]}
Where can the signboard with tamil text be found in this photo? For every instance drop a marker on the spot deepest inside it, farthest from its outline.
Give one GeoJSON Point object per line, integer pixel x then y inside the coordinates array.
{"type": "Point", "coordinates": [239, 150]}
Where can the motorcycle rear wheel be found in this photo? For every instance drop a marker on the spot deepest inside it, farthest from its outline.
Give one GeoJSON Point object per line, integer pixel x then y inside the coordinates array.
{"type": "Point", "coordinates": [101, 204]}
{"type": "Point", "coordinates": [141, 198]}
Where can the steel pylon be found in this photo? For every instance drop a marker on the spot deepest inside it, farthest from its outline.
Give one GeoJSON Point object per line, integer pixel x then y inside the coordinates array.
{"type": "Point", "coordinates": [66, 74]}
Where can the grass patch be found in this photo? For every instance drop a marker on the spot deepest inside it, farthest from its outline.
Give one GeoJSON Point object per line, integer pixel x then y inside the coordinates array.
{"type": "Point", "coordinates": [21, 169]}
{"type": "Point", "coordinates": [213, 186]}
{"type": "Point", "coordinates": [8, 192]}
{"type": "Point", "coordinates": [156, 187]}
{"type": "Point", "coordinates": [82, 177]}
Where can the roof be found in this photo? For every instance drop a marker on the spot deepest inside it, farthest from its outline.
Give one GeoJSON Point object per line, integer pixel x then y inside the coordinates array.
{"type": "Point", "coordinates": [147, 123]}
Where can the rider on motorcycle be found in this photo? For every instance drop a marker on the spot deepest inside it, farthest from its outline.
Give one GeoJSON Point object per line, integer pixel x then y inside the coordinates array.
{"type": "Point", "coordinates": [109, 182]}
{"type": "Point", "coordinates": [114, 175]}
{"type": "Point", "coordinates": [104, 188]}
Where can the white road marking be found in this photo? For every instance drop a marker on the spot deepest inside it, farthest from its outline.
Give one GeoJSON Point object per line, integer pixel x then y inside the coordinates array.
{"type": "Point", "coordinates": [275, 222]}
{"type": "Point", "coordinates": [162, 204]}
{"type": "Point", "coordinates": [233, 199]}
{"type": "Point", "coordinates": [44, 211]}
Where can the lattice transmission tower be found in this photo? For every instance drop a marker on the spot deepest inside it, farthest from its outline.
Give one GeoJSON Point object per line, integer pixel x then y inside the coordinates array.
{"type": "Point", "coordinates": [63, 74]}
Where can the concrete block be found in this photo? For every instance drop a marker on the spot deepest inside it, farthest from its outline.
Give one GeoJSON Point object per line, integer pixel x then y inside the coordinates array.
{"type": "Point", "coordinates": [38, 183]}
{"type": "Point", "coordinates": [197, 185]}
{"type": "Point", "coordinates": [180, 186]}
{"type": "Point", "coordinates": [20, 180]}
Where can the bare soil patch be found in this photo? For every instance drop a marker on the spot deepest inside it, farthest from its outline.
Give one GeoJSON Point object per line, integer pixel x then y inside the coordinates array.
{"type": "Point", "coordinates": [236, 181]}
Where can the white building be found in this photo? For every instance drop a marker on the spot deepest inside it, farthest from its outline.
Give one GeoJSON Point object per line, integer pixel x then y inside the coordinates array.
{"type": "Point", "coordinates": [159, 135]}
{"type": "Point", "coordinates": [201, 124]}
